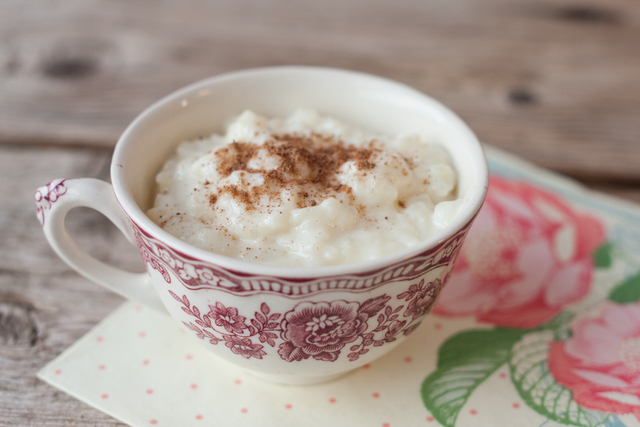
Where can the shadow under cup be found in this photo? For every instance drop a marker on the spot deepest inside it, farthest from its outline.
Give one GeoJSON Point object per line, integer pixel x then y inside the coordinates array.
{"type": "Point", "coordinates": [294, 325]}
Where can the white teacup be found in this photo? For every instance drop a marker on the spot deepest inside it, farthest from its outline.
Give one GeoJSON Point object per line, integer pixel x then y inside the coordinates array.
{"type": "Point", "coordinates": [289, 325]}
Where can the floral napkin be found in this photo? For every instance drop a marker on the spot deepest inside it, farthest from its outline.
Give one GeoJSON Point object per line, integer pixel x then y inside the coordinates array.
{"type": "Point", "coordinates": [538, 326]}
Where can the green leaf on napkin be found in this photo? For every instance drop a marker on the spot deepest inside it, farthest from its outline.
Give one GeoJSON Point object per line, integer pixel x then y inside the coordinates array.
{"type": "Point", "coordinates": [602, 256]}
{"type": "Point", "coordinates": [464, 362]}
{"type": "Point", "coordinates": [537, 387]}
{"type": "Point", "coordinates": [627, 291]}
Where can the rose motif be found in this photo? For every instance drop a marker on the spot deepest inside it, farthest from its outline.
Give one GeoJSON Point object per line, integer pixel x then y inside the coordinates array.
{"type": "Point", "coordinates": [422, 298]}
{"type": "Point", "coordinates": [527, 255]}
{"type": "Point", "coordinates": [244, 347]}
{"type": "Point", "coordinates": [312, 329]}
{"type": "Point", "coordinates": [600, 363]}
{"type": "Point", "coordinates": [320, 330]}
{"type": "Point", "coordinates": [227, 318]}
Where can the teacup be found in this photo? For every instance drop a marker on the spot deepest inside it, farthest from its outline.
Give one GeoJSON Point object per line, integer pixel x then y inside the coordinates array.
{"type": "Point", "coordinates": [288, 325]}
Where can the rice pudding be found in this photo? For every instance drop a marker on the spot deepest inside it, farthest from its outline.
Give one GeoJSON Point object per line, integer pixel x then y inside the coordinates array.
{"type": "Point", "coordinates": [306, 190]}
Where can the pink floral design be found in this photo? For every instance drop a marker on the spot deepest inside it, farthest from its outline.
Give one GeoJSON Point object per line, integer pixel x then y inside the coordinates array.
{"type": "Point", "coordinates": [195, 275]}
{"type": "Point", "coordinates": [155, 263]}
{"type": "Point", "coordinates": [527, 256]}
{"type": "Point", "coordinates": [421, 298]}
{"type": "Point", "coordinates": [600, 363]}
{"type": "Point", "coordinates": [47, 195]}
{"type": "Point", "coordinates": [317, 330]}
{"type": "Point", "coordinates": [228, 318]}
{"type": "Point", "coordinates": [244, 347]}
{"type": "Point", "coordinates": [320, 330]}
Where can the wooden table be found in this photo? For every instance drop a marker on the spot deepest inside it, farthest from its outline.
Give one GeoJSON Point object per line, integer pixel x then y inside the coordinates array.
{"type": "Point", "coordinates": [557, 82]}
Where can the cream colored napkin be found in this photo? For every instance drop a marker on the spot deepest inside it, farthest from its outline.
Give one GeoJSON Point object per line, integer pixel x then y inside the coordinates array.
{"type": "Point", "coordinates": [140, 367]}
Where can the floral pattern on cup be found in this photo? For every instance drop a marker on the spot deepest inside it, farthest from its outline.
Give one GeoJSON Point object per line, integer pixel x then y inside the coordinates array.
{"type": "Point", "coordinates": [195, 275]}
{"type": "Point", "coordinates": [600, 363]}
{"type": "Point", "coordinates": [316, 330]}
{"type": "Point", "coordinates": [48, 195]}
{"type": "Point", "coordinates": [527, 256]}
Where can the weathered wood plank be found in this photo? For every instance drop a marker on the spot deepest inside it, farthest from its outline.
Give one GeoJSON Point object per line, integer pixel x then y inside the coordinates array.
{"type": "Point", "coordinates": [629, 193]}
{"type": "Point", "coordinates": [45, 307]}
{"type": "Point", "coordinates": [556, 82]}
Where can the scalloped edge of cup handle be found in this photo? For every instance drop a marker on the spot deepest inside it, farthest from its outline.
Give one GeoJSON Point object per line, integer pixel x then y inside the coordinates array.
{"type": "Point", "coordinates": [55, 200]}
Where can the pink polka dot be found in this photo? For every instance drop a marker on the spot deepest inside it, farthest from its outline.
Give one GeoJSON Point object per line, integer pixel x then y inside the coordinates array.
{"type": "Point", "coordinates": [438, 326]}
{"type": "Point", "coordinates": [189, 356]}
{"type": "Point", "coordinates": [99, 339]}
{"type": "Point", "coordinates": [199, 417]}
{"type": "Point", "coordinates": [430, 419]}
{"type": "Point", "coordinates": [288, 406]}
{"type": "Point", "coordinates": [332, 400]}
{"type": "Point", "coordinates": [473, 412]}
{"type": "Point", "coordinates": [367, 366]}
{"type": "Point", "coordinates": [503, 375]}
{"type": "Point", "coordinates": [57, 371]}
{"type": "Point", "coordinates": [153, 422]}
{"type": "Point", "coordinates": [102, 367]}
{"type": "Point", "coordinates": [142, 334]}
{"type": "Point", "coordinates": [138, 308]}
{"type": "Point", "coordinates": [238, 382]}
{"type": "Point", "coordinates": [376, 395]}
{"type": "Point", "coordinates": [516, 405]}
{"type": "Point", "coordinates": [408, 359]}
{"type": "Point", "coordinates": [244, 410]}
{"type": "Point", "coordinates": [386, 425]}
{"type": "Point", "coordinates": [194, 386]}
{"type": "Point", "coordinates": [145, 362]}
{"type": "Point", "coordinates": [149, 391]}
{"type": "Point", "coordinates": [105, 396]}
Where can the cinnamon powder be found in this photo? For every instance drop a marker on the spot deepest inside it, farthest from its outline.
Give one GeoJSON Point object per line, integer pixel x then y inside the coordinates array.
{"type": "Point", "coordinates": [308, 167]}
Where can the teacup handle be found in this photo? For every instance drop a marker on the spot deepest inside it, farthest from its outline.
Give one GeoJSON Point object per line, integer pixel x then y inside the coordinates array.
{"type": "Point", "coordinates": [55, 200]}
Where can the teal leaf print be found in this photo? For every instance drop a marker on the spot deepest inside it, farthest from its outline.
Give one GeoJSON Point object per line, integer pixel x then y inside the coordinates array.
{"type": "Point", "coordinates": [602, 257]}
{"type": "Point", "coordinates": [464, 362]}
{"type": "Point", "coordinates": [627, 291]}
{"type": "Point", "coordinates": [537, 387]}
{"type": "Point", "coordinates": [613, 421]}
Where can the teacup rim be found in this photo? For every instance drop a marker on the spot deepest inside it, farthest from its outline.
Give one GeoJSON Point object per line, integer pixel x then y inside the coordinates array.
{"type": "Point", "coordinates": [136, 214]}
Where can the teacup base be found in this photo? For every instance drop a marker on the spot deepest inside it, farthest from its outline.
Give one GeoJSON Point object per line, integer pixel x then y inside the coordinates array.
{"type": "Point", "coordinates": [297, 379]}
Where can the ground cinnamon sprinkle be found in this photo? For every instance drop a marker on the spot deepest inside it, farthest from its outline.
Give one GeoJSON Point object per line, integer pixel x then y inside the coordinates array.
{"type": "Point", "coordinates": [308, 166]}
{"type": "Point", "coordinates": [305, 190]}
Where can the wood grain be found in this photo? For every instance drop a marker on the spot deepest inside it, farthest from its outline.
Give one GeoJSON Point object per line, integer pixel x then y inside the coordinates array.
{"type": "Point", "coordinates": [555, 81]}
{"type": "Point", "coordinates": [44, 306]}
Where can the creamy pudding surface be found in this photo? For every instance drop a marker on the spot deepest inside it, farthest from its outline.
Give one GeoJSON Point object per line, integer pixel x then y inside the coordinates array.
{"type": "Point", "coordinates": [306, 190]}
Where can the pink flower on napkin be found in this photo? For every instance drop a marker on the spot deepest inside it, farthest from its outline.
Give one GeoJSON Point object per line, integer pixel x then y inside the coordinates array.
{"type": "Point", "coordinates": [527, 255]}
{"type": "Point", "coordinates": [321, 330]}
{"type": "Point", "coordinates": [600, 363]}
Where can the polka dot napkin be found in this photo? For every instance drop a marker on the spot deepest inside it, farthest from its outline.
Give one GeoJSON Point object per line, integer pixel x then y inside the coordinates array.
{"type": "Point", "coordinates": [138, 366]}
{"type": "Point", "coordinates": [539, 325]}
